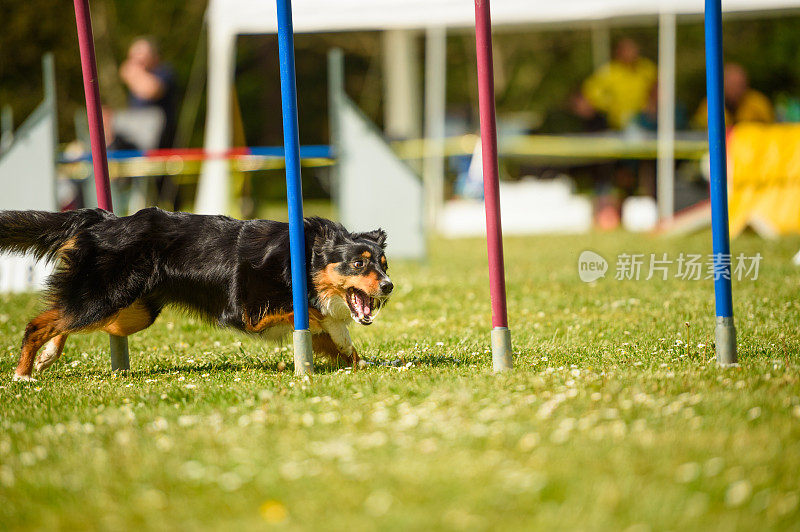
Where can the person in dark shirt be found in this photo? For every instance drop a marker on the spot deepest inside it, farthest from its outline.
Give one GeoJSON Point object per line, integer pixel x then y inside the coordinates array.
{"type": "Point", "coordinates": [647, 119]}
{"type": "Point", "coordinates": [151, 83]}
{"type": "Point", "coordinates": [577, 115]}
{"type": "Point", "coordinates": [115, 141]}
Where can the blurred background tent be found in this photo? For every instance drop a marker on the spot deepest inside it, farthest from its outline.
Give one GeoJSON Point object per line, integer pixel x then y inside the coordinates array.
{"type": "Point", "coordinates": [410, 69]}
{"type": "Point", "coordinates": [399, 19]}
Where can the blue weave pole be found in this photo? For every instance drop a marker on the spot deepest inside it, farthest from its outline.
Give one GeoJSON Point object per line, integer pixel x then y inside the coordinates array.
{"type": "Point", "coordinates": [725, 332]}
{"type": "Point", "coordinates": [303, 362]}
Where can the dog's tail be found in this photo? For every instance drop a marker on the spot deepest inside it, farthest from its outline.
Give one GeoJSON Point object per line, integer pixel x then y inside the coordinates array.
{"type": "Point", "coordinates": [44, 233]}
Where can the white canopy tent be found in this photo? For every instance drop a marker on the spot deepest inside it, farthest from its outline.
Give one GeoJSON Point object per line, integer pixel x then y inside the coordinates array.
{"type": "Point", "coordinates": [233, 17]}
{"type": "Point", "coordinates": [229, 18]}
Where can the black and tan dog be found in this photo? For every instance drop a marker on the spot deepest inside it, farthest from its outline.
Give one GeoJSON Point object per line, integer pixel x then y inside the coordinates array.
{"type": "Point", "coordinates": [117, 274]}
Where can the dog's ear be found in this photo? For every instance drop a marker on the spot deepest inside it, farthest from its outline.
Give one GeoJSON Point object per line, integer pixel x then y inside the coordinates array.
{"type": "Point", "coordinates": [378, 236]}
{"type": "Point", "coordinates": [320, 241]}
{"type": "Point", "coordinates": [326, 241]}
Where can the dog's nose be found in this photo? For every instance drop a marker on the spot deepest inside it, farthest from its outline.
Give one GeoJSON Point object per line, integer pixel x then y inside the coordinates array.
{"type": "Point", "coordinates": [387, 287]}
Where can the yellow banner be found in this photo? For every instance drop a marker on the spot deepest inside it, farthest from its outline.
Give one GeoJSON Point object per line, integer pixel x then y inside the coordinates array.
{"type": "Point", "coordinates": [764, 178]}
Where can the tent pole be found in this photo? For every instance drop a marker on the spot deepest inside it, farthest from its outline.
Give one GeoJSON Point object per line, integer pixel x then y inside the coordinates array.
{"type": "Point", "coordinates": [725, 332]}
{"type": "Point", "coordinates": [665, 173]}
{"type": "Point", "coordinates": [601, 43]}
{"type": "Point", "coordinates": [303, 361]}
{"type": "Point", "coordinates": [401, 96]}
{"type": "Point", "coordinates": [435, 107]}
{"type": "Point", "coordinates": [91, 89]}
{"type": "Point", "coordinates": [501, 337]}
{"type": "Point", "coordinates": [213, 189]}
{"type": "Point", "coordinates": [6, 127]}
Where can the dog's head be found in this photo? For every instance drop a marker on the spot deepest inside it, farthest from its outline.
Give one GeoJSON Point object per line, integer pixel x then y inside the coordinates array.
{"type": "Point", "coordinates": [353, 268]}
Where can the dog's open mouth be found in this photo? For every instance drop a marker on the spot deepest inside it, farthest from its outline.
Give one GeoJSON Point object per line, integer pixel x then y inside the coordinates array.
{"type": "Point", "coordinates": [363, 308]}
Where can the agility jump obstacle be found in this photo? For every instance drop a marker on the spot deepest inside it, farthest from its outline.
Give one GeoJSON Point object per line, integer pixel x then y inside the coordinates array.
{"type": "Point", "coordinates": [725, 332]}
{"type": "Point", "coordinates": [91, 89]}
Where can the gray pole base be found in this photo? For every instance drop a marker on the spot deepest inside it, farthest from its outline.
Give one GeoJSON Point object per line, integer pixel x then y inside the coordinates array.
{"type": "Point", "coordinates": [725, 336]}
{"type": "Point", "coordinates": [501, 349]}
{"type": "Point", "coordinates": [119, 353]}
{"type": "Point", "coordinates": [303, 357]}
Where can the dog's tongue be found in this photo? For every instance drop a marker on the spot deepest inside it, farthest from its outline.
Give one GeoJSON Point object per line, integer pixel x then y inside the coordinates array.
{"type": "Point", "coordinates": [364, 303]}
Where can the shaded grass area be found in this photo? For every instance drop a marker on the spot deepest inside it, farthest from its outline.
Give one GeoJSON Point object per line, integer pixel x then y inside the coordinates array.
{"type": "Point", "coordinates": [615, 415]}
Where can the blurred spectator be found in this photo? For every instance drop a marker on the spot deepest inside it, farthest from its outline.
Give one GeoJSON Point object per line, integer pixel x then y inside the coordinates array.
{"type": "Point", "coordinates": [591, 120]}
{"type": "Point", "coordinates": [114, 140]}
{"type": "Point", "coordinates": [151, 83]}
{"type": "Point", "coordinates": [742, 104]}
{"type": "Point", "coordinates": [621, 88]}
{"type": "Point", "coordinates": [647, 119]}
{"type": "Point", "coordinates": [577, 115]}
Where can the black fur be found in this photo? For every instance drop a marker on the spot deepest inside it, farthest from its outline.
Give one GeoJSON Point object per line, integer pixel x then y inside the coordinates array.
{"type": "Point", "coordinates": [221, 268]}
{"type": "Point", "coordinates": [43, 233]}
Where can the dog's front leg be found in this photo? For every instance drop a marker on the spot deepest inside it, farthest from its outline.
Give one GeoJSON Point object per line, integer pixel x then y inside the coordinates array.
{"type": "Point", "coordinates": [340, 337]}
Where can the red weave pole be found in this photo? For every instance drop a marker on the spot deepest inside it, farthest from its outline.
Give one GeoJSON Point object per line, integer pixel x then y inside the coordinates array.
{"type": "Point", "coordinates": [91, 89]}
{"type": "Point", "coordinates": [491, 186]}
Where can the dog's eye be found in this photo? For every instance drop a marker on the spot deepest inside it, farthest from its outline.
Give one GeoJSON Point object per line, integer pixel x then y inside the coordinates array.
{"type": "Point", "coordinates": [358, 263]}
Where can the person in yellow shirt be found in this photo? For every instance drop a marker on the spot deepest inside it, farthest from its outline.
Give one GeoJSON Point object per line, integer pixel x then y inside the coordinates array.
{"type": "Point", "coordinates": [742, 104]}
{"type": "Point", "coordinates": [621, 88]}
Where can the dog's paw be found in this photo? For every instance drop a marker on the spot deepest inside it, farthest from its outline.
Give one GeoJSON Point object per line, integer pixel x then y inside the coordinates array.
{"type": "Point", "coordinates": [22, 378]}
{"type": "Point", "coordinates": [47, 356]}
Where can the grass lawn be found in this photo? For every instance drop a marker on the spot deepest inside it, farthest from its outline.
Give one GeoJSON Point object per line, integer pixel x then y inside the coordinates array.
{"type": "Point", "coordinates": [615, 416]}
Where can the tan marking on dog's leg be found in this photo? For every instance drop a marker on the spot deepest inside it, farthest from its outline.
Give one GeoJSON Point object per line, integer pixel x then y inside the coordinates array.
{"type": "Point", "coordinates": [268, 320]}
{"type": "Point", "coordinates": [42, 328]}
{"type": "Point", "coordinates": [129, 320]}
{"type": "Point", "coordinates": [281, 318]}
{"type": "Point", "coordinates": [50, 352]}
